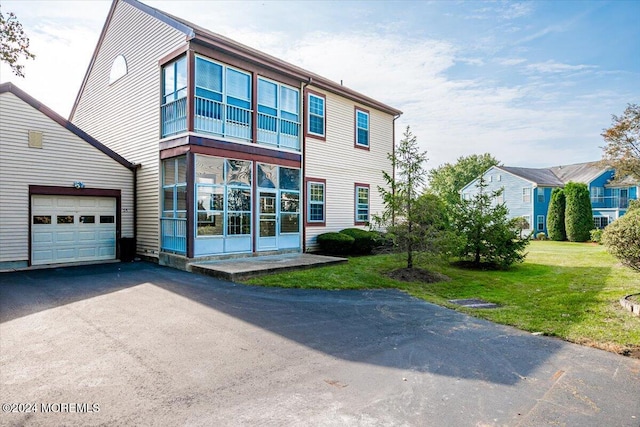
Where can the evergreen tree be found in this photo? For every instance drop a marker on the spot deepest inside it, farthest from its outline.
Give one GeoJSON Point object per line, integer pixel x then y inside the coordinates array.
{"type": "Point", "coordinates": [400, 198]}
{"type": "Point", "coordinates": [578, 217]}
{"type": "Point", "coordinates": [555, 216]}
{"type": "Point", "coordinates": [486, 235]}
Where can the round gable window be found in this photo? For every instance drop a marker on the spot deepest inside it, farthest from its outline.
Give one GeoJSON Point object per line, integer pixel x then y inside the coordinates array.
{"type": "Point", "coordinates": [118, 69]}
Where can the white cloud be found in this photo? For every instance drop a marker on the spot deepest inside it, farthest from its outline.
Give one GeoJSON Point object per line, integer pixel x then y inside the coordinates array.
{"type": "Point", "coordinates": [557, 67]}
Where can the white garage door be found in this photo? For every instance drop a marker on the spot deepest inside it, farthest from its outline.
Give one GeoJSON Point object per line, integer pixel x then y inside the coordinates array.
{"type": "Point", "coordinates": [70, 229]}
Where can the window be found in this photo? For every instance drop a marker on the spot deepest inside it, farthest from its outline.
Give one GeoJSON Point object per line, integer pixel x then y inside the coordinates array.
{"type": "Point", "coordinates": [600, 222]}
{"type": "Point", "coordinates": [174, 187]}
{"type": "Point", "coordinates": [41, 219]}
{"type": "Point", "coordinates": [87, 219]}
{"type": "Point", "coordinates": [238, 179]}
{"type": "Point", "coordinates": [500, 198]}
{"type": "Point", "coordinates": [174, 92]}
{"type": "Point", "coordinates": [278, 114]}
{"type": "Point", "coordinates": [65, 219]}
{"type": "Point", "coordinates": [597, 194]}
{"type": "Point", "coordinates": [527, 222]}
{"type": "Point", "coordinates": [540, 194]}
{"type": "Point", "coordinates": [174, 77]}
{"type": "Point", "coordinates": [526, 195]}
{"type": "Point", "coordinates": [316, 119]}
{"type": "Point", "coordinates": [362, 204]}
{"type": "Point", "coordinates": [316, 202]}
{"type": "Point", "coordinates": [362, 128]}
{"type": "Point", "coordinates": [289, 200]}
{"type": "Point", "coordinates": [499, 177]}
{"type": "Point", "coordinates": [222, 100]}
{"type": "Point", "coordinates": [107, 219]}
{"type": "Point", "coordinates": [118, 69]}
{"type": "Point", "coordinates": [540, 222]}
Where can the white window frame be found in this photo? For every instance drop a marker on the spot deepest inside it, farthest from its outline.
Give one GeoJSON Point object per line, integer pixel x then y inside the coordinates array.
{"type": "Point", "coordinates": [540, 223]}
{"type": "Point", "coordinates": [311, 202]}
{"type": "Point", "coordinates": [323, 116]}
{"type": "Point", "coordinates": [527, 219]}
{"type": "Point", "coordinates": [526, 194]}
{"type": "Point", "coordinates": [540, 197]}
{"type": "Point", "coordinates": [359, 206]}
{"type": "Point", "coordinates": [358, 128]}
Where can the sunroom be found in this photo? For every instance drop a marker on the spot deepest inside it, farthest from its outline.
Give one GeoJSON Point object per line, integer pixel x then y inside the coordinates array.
{"type": "Point", "coordinates": [229, 103]}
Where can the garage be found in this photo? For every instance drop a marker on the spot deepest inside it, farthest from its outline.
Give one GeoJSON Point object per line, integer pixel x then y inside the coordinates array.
{"type": "Point", "coordinates": [72, 228]}
{"type": "Point", "coordinates": [66, 197]}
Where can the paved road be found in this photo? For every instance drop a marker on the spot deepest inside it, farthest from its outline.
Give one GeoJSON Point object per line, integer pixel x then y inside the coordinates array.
{"type": "Point", "coordinates": [155, 346]}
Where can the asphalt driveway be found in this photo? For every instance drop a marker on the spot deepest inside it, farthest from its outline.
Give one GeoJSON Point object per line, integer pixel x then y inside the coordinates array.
{"type": "Point", "coordinates": [139, 344]}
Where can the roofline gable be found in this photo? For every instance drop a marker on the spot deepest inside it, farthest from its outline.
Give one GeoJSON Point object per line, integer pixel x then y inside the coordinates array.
{"type": "Point", "coordinates": [140, 6]}
{"type": "Point", "coordinates": [12, 88]}
{"type": "Point", "coordinates": [196, 34]}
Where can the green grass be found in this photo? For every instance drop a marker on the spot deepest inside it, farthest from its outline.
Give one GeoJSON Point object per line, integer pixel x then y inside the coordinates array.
{"type": "Point", "coordinates": [568, 290]}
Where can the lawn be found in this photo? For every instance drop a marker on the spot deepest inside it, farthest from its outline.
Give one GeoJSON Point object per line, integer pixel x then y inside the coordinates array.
{"type": "Point", "coordinates": [568, 290]}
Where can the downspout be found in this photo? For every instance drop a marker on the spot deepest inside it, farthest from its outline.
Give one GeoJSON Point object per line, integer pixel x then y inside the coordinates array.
{"type": "Point", "coordinates": [393, 172]}
{"type": "Point", "coordinates": [304, 155]}
{"type": "Point", "coordinates": [135, 207]}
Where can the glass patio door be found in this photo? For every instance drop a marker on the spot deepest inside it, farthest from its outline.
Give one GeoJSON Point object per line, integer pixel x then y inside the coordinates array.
{"type": "Point", "coordinates": [268, 220]}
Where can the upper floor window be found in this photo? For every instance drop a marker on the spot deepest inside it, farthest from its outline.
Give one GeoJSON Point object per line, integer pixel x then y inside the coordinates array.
{"type": "Point", "coordinates": [526, 195]}
{"type": "Point", "coordinates": [540, 194]}
{"type": "Point", "coordinates": [278, 114]}
{"type": "Point", "coordinates": [597, 194]}
{"type": "Point", "coordinates": [362, 128]}
{"type": "Point", "coordinates": [222, 100]}
{"type": "Point", "coordinates": [118, 69]}
{"type": "Point", "coordinates": [316, 119]}
{"type": "Point", "coordinates": [174, 97]}
{"type": "Point", "coordinates": [174, 77]}
{"type": "Point", "coordinates": [362, 204]}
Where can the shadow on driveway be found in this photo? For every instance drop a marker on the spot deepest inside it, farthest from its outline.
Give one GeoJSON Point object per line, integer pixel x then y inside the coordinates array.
{"type": "Point", "coordinates": [380, 327]}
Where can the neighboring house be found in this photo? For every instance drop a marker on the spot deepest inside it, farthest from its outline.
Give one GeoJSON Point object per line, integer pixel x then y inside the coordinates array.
{"type": "Point", "coordinates": [527, 191]}
{"type": "Point", "coordinates": [240, 152]}
{"type": "Point", "coordinates": [64, 197]}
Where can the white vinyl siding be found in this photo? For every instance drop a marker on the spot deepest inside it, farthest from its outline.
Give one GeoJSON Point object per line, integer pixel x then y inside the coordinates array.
{"type": "Point", "coordinates": [336, 161]}
{"type": "Point", "coordinates": [63, 159]}
{"type": "Point", "coordinates": [126, 116]}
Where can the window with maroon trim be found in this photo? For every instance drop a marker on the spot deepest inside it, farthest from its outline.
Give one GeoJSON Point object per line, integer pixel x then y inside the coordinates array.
{"type": "Point", "coordinates": [316, 115]}
{"type": "Point", "coordinates": [362, 128]}
{"type": "Point", "coordinates": [316, 197]}
{"type": "Point", "coordinates": [362, 204]}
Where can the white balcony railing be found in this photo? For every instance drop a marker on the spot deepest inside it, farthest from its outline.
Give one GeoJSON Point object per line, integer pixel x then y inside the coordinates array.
{"type": "Point", "coordinates": [278, 132]}
{"type": "Point", "coordinates": [610, 202]}
{"type": "Point", "coordinates": [222, 119]}
{"type": "Point", "coordinates": [174, 117]}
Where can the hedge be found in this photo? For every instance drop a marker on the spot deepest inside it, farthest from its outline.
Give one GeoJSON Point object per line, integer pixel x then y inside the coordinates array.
{"type": "Point", "coordinates": [335, 243]}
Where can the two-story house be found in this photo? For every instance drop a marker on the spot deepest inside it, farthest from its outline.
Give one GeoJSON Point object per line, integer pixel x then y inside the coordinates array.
{"type": "Point", "coordinates": [527, 191]}
{"type": "Point", "coordinates": [240, 152]}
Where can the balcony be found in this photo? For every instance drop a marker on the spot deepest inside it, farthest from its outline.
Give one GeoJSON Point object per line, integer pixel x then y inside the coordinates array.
{"type": "Point", "coordinates": [229, 121]}
{"type": "Point", "coordinates": [278, 132]}
{"type": "Point", "coordinates": [619, 202]}
{"type": "Point", "coordinates": [174, 235]}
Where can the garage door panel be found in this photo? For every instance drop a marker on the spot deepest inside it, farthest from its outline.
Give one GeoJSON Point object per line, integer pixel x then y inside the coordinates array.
{"type": "Point", "coordinates": [75, 231]}
{"type": "Point", "coordinates": [42, 237]}
{"type": "Point", "coordinates": [84, 236]}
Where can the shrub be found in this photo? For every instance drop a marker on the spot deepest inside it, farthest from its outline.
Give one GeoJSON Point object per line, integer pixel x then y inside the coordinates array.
{"type": "Point", "coordinates": [555, 216]}
{"type": "Point", "coordinates": [596, 235]}
{"type": "Point", "coordinates": [335, 243]}
{"type": "Point", "coordinates": [364, 241]}
{"type": "Point", "coordinates": [541, 236]}
{"type": "Point", "coordinates": [622, 238]}
{"type": "Point", "coordinates": [578, 216]}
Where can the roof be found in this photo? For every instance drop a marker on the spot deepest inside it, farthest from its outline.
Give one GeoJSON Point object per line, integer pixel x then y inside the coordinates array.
{"type": "Point", "coordinates": [197, 34]}
{"type": "Point", "coordinates": [579, 172]}
{"type": "Point", "coordinates": [12, 88]}
{"type": "Point", "coordinates": [543, 177]}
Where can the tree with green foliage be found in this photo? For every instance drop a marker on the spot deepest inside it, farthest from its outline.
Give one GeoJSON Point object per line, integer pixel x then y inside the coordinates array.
{"type": "Point", "coordinates": [402, 192]}
{"type": "Point", "coordinates": [14, 43]}
{"type": "Point", "coordinates": [578, 216]}
{"type": "Point", "coordinates": [487, 236]}
{"type": "Point", "coordinates": [622, 237]}
{"type": "Point", "coordinates": [447, 180]}
{"type": "Point", "coordinates": [622, 151]}
{"type": "Point", "coordinates": [555, 216]}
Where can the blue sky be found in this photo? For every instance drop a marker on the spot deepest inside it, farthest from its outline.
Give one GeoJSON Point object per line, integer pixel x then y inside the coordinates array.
{"type": "Point", "coordinates": [532, 83]}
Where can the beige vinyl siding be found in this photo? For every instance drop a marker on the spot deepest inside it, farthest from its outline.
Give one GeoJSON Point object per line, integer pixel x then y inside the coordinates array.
{"type": "Point", "coordinates": [63, 159]}
{"type": "Point", "coordinates": [125, 115]}
{"type": "Point", "coordinates": [343, 165]}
